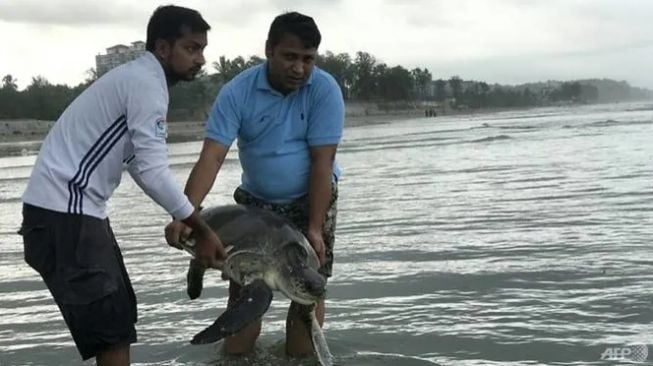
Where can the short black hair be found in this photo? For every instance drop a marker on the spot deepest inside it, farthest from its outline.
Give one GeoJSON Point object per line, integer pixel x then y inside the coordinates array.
{"type": "Point", "coordinates": [168, 22]}
{"type": "Point", "coordinates": [297, 24]}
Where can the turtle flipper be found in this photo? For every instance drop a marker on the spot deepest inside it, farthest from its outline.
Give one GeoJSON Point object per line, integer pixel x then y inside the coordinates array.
{"type": "Point", "coordinates": [320, 345]}
{"type": "Point", "coordinates": [254, 301]}
{"type": "Point", "coordinates": [194, 279]}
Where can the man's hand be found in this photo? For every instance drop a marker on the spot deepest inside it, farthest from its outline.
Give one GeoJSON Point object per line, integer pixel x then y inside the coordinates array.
{"type": "Point", "coordinates": [209, 250]}
{"type": "Point", "coordinates": [177, 232]}
{"type": "Point", "coordinates": [317, 242]}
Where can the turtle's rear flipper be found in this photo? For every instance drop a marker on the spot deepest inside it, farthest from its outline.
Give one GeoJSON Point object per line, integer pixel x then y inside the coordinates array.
{"type": "Point", "coordinates": [253, 302]}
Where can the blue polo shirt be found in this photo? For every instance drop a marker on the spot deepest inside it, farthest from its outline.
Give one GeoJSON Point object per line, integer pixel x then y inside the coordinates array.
{"type": "Point", "coordinates": [276, 131]}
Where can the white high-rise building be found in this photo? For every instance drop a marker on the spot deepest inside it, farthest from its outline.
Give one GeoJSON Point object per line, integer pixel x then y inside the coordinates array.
{"type": "Point", "coordinates": [118, 55]}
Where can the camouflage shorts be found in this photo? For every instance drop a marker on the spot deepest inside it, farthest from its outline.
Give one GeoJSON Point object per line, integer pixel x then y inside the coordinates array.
{"type": "Point", "coordinates": [297, 212]}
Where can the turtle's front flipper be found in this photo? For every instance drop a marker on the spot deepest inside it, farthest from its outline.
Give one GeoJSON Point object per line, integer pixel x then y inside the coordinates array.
{"type": "Point", "coordinates": [254, 300]}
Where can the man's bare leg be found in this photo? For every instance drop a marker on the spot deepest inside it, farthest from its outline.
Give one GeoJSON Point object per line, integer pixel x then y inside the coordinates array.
{"type": "Point", "coordinates": [116, 356]}
{"type": "Point", "coordinates": [298, 328]}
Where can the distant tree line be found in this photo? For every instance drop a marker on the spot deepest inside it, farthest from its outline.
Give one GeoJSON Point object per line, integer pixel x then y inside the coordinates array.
{"type": "Point", "coordinates": [361, 78]}
{"type": "Point", "coordinates": [40, 100]}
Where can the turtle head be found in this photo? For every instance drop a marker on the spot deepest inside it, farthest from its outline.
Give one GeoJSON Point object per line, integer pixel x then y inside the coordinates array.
{"type": "Point", "coordinates": [298, 280]}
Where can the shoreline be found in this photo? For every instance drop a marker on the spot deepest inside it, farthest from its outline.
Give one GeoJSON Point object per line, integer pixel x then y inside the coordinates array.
{"type": "Point", "coordinates": [29, 131]}
{"type": "Point", "coordinates": [24, 136]}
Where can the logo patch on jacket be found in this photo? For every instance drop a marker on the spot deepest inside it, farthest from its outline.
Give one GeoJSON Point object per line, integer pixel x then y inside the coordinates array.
{"type": "Point", "coordinates": [161, 128]}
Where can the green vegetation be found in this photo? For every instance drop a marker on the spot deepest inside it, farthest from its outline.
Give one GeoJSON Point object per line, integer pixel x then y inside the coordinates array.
{"type": "Point", "coordinates": [361, 78]}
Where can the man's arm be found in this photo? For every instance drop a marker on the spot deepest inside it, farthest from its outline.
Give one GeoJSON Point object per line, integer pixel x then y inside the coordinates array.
{"type": "Point", "coordinates": [319, 194]}
{"type": "Point", "coordinates": [145, 111]}
{"type": "Point", "coordinates": [199, 183]}
{"type": "Point", "coordinates": [203, 174]}
{"type": "Point", "coordinates": [221, 129]}
{"type": "Point", "coordinates": [146, 108]}
{"type": "Point", "coordinates": [326, 122]}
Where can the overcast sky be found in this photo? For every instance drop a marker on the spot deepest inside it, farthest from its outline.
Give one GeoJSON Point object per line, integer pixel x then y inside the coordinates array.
{"type": "Point", "coordinates": [504, 41]}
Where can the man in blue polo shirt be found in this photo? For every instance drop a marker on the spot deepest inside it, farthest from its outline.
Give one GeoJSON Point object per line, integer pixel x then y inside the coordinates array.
{"type": "Point", "coordinates": [288, 117]}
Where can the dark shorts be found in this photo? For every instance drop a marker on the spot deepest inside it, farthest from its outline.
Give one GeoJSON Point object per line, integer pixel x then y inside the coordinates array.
{"type": "Point", "coordinates": [80, 262]}
{"type": "Point", "coordinates": [297, 212]}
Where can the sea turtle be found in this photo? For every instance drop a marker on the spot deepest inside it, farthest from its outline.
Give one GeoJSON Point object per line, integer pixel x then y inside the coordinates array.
{"type": "Point", "coordinates": [266, 252]}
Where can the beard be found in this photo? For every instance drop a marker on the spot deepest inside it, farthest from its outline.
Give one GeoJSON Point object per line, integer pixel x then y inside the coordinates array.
{"type": "Point", "coordinates": [174, 76]}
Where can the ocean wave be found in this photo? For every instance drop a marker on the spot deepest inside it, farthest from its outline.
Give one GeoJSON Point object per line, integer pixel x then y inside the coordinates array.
{"type": "Point", "coordinates": [612, 122]}
{"type": "Point", "coordinates": [492, 138]}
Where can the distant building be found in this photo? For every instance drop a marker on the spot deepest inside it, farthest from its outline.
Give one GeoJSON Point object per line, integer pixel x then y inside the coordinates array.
{"type": "Point", "coordinates": [118, 55]}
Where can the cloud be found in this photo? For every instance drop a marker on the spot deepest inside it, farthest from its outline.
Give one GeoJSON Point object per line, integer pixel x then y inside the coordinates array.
{"type": "Point", "coordinates": [71, 12]}
{"type": "Point", "coordinates": [536, 38]}
{"type": "Point", "coordinates": [77, 13]}
{"type": "Point", "coordinates": [570, 67]}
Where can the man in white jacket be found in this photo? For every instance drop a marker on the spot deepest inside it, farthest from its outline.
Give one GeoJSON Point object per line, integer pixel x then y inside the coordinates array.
{"type": "Point", "coordinates": [120, 119]}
